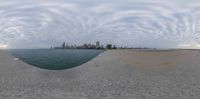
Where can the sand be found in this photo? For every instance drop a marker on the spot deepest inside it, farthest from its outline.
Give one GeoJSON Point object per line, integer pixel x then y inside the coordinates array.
{"type": "Point", "coordinates": [114, 74]}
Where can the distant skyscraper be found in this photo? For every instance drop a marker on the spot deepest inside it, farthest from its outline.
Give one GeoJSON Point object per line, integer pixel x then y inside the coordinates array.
{"type": "Point", "coordinates": [97, 44]}
{"type": "Point", "coordinates": [63, 45]}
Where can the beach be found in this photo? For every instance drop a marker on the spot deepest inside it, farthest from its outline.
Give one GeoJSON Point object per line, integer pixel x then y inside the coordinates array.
{"type": "Point", "coordinates": [114, 74]}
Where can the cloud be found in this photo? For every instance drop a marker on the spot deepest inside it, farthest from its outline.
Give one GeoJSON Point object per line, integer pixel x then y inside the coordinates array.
{"type": "Point", "coordinates": [3, 46]}
{"type": "Point", "coordinates": [191, 45]}
{"type": "Point", "coordinates": [42, 23]}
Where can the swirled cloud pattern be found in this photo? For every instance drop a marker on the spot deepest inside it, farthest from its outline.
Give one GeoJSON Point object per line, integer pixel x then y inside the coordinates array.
{"type": "Point", "coordinates": [153, 23]}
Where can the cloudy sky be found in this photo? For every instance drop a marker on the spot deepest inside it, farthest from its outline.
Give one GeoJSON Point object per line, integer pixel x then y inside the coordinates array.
{"type": "Point", "coordinates": [152, 23]}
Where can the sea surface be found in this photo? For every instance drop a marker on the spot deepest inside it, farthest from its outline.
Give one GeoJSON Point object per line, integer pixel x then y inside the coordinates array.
{"type": "Point", "coordinates": [55, 59]}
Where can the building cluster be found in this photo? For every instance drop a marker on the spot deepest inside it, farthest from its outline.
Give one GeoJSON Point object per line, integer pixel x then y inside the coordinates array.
{"type": "Point", "coordinates": [94, 46]}
{"type": "Point", "coordinates": [86, 46]}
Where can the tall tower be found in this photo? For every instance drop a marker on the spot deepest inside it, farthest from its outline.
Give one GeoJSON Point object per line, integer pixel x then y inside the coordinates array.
{"type": "Point", "coordinates": [63, 45]}
{"type": "Point", "coordinates": [97, 44]}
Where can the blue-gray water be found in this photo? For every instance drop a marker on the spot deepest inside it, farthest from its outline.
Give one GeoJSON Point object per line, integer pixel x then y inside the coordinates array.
{"type": "Point", "coordinates": [55, 59]}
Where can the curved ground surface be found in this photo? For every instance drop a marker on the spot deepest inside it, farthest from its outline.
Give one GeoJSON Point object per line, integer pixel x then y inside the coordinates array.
{"type": "Point", "coordinates": [115, 74]}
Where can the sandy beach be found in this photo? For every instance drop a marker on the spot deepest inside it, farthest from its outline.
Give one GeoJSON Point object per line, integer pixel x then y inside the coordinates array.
{"type": "Point", "coordinates": [114, 74]}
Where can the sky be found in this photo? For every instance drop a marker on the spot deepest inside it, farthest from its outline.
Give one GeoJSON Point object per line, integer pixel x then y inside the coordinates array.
{"type": "Point", "coordinates": [132, 23]}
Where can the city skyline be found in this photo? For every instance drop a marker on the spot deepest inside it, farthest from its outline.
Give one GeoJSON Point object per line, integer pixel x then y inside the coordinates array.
{"type": "Point", "coordinates": [98, 45]}
{"type": "Point", "coordinates": [86, 46]}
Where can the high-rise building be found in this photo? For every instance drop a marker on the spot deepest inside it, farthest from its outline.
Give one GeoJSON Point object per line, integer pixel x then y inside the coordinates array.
{"type": "Point", "coordinates": [63, 45]}
{"type": "Point", "coordinates": [97, 44]}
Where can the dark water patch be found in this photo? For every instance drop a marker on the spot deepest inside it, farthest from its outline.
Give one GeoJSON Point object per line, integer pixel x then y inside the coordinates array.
{"type": "Point", "coordinates": [52, 59]}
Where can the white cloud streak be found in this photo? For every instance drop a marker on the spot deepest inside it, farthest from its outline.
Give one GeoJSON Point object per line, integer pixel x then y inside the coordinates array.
{"type": "Point", "coordinates": [45, 23]}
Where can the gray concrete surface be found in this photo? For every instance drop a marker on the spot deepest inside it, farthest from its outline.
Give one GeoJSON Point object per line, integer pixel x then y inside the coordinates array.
{"type": "Point", "coordinates": [116, 74]}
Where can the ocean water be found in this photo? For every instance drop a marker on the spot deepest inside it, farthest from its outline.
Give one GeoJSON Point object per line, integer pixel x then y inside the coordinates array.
{"type": "Point", "coordinates": [55, 59]}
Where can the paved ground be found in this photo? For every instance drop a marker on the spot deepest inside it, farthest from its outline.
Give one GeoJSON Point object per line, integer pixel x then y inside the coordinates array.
{"type": "Point", "coordinates": [116, 74]}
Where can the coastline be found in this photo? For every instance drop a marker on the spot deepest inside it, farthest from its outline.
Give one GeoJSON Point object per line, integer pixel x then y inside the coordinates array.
{"type": "Point", "coordinates": [114, 74]}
